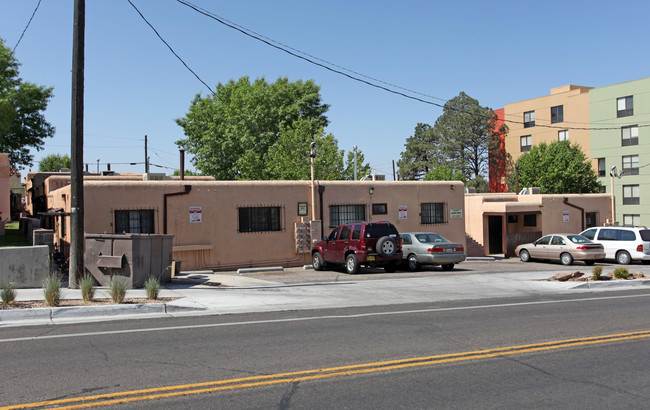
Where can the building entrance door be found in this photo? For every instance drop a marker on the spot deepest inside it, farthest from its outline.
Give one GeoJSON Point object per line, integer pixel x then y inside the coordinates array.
{"type": "Point", "coordinates": [495, 233]}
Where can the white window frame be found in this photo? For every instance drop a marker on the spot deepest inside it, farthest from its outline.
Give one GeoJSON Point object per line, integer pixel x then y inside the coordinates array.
{"type": "Point", "coordinates": [563, 135]}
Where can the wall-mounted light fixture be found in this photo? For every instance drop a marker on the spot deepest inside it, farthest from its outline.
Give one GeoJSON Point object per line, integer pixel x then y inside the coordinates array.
{"type": "Point", "coordinates": [372, 189]}
{"type": "Point", "coordinates": [452, 187]}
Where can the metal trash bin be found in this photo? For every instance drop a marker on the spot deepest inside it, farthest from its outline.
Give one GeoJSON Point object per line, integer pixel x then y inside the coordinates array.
{"type": "Point", "coordinates": [135, 257]}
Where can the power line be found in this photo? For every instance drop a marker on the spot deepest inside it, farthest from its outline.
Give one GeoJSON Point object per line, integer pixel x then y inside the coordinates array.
{"type": "Point", "coordinates": [28, 23]}
{"type": "Point", "coordinates": [170, 48]}
{"type": "Point", "coordinates": [269, 43]}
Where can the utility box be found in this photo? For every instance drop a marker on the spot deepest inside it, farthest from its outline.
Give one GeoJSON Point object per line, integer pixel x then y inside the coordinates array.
{"type": "Point", "coordinates": [135, 257]}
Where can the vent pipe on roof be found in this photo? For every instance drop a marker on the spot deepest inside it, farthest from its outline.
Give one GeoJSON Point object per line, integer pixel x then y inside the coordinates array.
{"type": "Point", "coordinates": [182, 172]}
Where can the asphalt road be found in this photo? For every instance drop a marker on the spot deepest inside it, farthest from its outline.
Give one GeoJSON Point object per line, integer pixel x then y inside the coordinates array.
{"type": "Point", "coordinates": [529, 352]}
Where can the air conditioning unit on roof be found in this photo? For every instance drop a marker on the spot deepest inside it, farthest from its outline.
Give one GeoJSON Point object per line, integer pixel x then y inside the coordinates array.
{"type": "Point", "coordinates": [153, 176]}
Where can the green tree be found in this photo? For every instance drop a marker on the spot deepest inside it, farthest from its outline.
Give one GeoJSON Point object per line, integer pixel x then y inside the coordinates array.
{"type": "Point", "coordinates": [422, 153]}
{"type": "Point", "coordinates": [556, 168]}
{"type": "Point", "coordinates": [54, 162]}
{"type": "Point", "coordinates": [231, 132]}
{"type": "Point", "coordinates": [188, 172]}
{"type": "Point", "coordinates": [444, 173]}
{"type": "Point", "coordinates": [289, 157]}
{"type": "Point", "coordinates": [22, 123]}
{"type": "Point", "coordinates": [464, 130]}
{"type": "Point", "coordinates": [362, 169]}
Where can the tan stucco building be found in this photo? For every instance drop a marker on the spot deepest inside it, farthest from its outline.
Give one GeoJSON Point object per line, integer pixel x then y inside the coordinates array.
{"type": "Point", "coordinates": [5, 187]}
{"type": "Point", "coordinates": [223, 225]}
{"type": "Point", "coordinates": [500, 222]}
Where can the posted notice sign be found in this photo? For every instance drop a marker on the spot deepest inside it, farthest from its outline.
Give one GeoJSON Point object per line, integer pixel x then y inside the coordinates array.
{"type": "Point", "coordinates": [196, 215]}
{"type": "Point", "coordinates": [402, 212]}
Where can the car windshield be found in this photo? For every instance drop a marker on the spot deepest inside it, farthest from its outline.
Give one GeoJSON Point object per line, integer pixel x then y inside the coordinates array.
{"type": "Point", "coordinates": [430, 238]}
{"type": "Point", "coordinates": [377, 230]}
{"type": "Point", "coordinates": [578, 239]}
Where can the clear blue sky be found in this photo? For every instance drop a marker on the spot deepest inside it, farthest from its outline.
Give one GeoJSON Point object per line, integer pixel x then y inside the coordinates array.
{"type": "Point", "coordinates": [497, 52]}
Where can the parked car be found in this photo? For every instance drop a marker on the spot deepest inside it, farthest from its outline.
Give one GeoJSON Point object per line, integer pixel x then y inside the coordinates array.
{"type": "Point", "coordinates": [428, 248]}
{"type": "Point", "coordinates": [624, 244]}
{"type": "Point", "coordinates": [563, 247]}
{"type": "Point", "coordinates": [359, 243]}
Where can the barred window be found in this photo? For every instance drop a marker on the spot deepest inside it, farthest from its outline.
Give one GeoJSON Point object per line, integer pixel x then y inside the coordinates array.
{"type": "Point", "coordinates": [259, 219]}
{"type": "Point", "coordinates": [342, 214]}
{"type": "Point", "coordinates": [432, 213]}
{"type": "Point", "coordinates": [134, 221]}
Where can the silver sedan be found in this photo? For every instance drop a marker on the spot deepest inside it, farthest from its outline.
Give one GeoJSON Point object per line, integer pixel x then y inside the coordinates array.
{"type": "Point", "coordinates": [428, 248]}
{"type": "Point", "coordinates": [563, 247]}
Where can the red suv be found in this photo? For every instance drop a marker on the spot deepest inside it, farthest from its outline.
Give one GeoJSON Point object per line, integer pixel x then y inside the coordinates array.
{"type": "Point", "coordinates": [359, 243]}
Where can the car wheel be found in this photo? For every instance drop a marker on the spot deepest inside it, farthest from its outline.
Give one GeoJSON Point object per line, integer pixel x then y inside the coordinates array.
{"type": "Point", "coordinates": [351, 264]}
{"type": "Point", "coordinates": [566, 259]}
{"type": "Point", "coordinates": [524, 256]}
{"type": "Point", "coordinates": [390, 267]}
{"type": "Point", "coordinates": [386, 246]}
{"type": "Point", "coordinates": [317, 261]}
{"type": "Point", "coordinates": [413, 263]}
{"type": "Point", "coordinates": [623, 258]}
{"type": "Point", "coordinates": [589, 262]}
{"type": "Point", "coordinates": [447, 266]}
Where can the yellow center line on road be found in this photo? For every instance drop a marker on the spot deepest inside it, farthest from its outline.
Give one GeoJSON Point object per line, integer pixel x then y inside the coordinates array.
{"type": "Point", "coordinates": [315, 374]}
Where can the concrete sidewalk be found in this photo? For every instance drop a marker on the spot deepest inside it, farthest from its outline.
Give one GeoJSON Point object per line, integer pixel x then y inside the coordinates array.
{"type": "Point", "coordinates": [206, 293]}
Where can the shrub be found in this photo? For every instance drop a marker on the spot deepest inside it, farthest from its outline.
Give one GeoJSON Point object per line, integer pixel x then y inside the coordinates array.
{"type": "Point", "coordinates": [152, 285]}
{"type": "Point", "coordinates": [598, 270]}
{"type": "Point", "coordinates": [117, 289]}
{"type": "Point", "coordinates": [621, 273]}
{"type": "Point", "coordinates": [8, 294]}
{"type": "Point", "coordinates": [52, 289]}
{"type": "Point", "coordinates": [87, 286]}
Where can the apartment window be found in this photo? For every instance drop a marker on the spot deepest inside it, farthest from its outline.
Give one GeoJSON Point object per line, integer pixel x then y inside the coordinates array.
{"type": "Point", "coordinates": [563, 135]}
{"type": "Point", "coordinates": [630, 135]}
{"type": "Point", "coordinates": [631, 164]}
{"type": "Point", "coordinates": [529, 119]}
{"type": "Point", "coordinates": [624, 106]}
{"type": "Point", "coordinates": [342, 214]}
{"type": "Point", "coordinates": [134, 221]}
{"type": "Point", "coordinates": [259, 219]}
{"type": "Point", "coordinates": [631, 195]}
{"type": "Point", "coordinates": [530, 220]}
{"type": "Point", "coordinates": [602, 189]}
{"type": "Point", "coordinates": [601, 167]}
{"type": "Point", "coordinates": [432, 213]}
{"type": "Point", "coordinates": [526, 143]}
{"type": "Point", "coordinates": [557, 114]}
{"type": "Point", "coordinates": [632, 220]}
{"type": "Point", "coordinates": [379, 209]}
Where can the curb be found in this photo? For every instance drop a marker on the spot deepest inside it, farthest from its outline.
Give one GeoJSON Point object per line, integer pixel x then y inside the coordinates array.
{"type": "Point", "coordinates": [67, 313]}
{"type": "Point", "coordinates": [253, 270]}
{"type": "Point", "coordinates": [613, 284]}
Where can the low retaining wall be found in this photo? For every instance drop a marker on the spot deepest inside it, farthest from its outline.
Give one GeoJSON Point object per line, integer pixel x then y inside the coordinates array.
{"type": "Point", "coordinates": [25, 266]}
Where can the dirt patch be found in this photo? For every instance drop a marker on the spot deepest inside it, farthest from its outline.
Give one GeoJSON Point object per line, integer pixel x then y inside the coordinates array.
{"type": "Point", "coordinates": [75, 302]}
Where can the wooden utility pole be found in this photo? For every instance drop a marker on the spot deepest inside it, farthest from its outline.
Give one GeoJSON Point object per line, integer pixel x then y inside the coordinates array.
{"type": "Point", "coordinates": [77, 245]}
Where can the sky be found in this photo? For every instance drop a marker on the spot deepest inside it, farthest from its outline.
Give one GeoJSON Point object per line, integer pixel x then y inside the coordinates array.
{"type": "Point", "coordinates": [496, 52]}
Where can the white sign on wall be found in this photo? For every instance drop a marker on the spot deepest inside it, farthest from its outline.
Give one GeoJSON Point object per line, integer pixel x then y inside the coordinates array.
{"type": "Point", "coordinates": [196, 214]}
{"type": "Point", "coordinates": [565, 216]}
{"type": "Point", "coordinates": [402, 212]}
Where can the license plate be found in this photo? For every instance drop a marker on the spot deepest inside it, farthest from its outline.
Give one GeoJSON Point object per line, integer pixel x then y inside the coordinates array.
{"type": "Point", "coordinates": [371, 258]}
{"type": "Point", "coordinates": [449, 250]}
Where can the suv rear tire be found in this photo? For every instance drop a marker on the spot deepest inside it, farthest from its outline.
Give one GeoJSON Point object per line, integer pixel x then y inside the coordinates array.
{"type": "Point", "coordinates": [386, 246]}
{"type": "Point", "coordinates": [351, 264]}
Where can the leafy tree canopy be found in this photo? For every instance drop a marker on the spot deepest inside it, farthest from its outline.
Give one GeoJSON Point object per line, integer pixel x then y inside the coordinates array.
{"type": "Point", "coordinates": [54, 162]}
{"type": "Point", "coordinates": [289, 158]}
{"type": "Point", "coordinates": [230, 133]}
{"type": "Point", "coordinates": [556, 168]}
{"type": "Point", "coordinates": [188, 172]}
{"type": "Point", "coordinates": [460, 139]}
{"type": "Point", "coordinates": [22, 123]}
{"type": "Point", "coordinates": [444, 173]}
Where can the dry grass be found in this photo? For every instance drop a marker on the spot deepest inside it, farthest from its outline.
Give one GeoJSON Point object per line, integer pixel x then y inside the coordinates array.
{"type": "Point", "coordinates": [78, 302]}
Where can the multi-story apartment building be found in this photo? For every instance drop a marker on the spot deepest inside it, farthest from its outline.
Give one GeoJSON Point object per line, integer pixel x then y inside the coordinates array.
{"type": "Point", "coordinates": [562, 115]}
{"type": "Point", "coordinates": [620, 146]}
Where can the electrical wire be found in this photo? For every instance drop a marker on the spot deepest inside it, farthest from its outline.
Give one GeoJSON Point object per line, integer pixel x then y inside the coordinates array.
{"type": "Point", "coordinates": [28, 23]}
